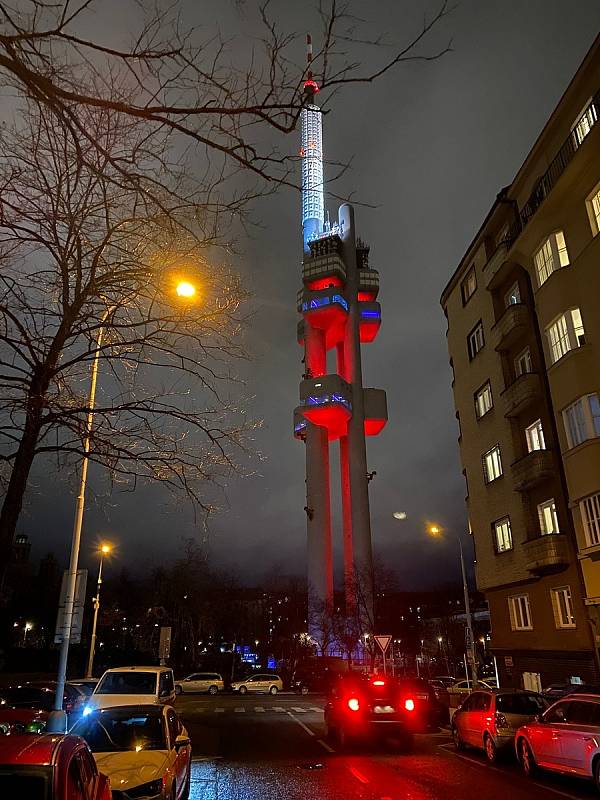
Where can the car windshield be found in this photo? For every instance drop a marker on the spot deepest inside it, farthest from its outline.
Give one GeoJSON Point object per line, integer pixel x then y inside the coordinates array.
{"type": "Point", "coordinates": [127, 683]}
{"type": "Point", "coordinates": [526, 704]}
{"type": "Point", "coordinates": [30, 782]}
{"type": "Point", "coordinates": [117, 729]}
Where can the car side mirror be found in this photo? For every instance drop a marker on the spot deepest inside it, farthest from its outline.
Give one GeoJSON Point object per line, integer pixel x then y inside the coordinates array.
{"type": "Point", "coordinates": [181, 741]}
{"type": "Point", "coordinates": [165, 693]}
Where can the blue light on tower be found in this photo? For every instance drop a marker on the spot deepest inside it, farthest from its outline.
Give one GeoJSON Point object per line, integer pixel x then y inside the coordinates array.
{"type": "Point", "coordinates": [313, 206]}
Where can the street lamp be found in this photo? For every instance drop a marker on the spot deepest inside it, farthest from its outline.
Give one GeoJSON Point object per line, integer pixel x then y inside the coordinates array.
{"type": "Point", "coordinates": [28, 626]}
{"type": "Point", "coordinates": [437, 531]}
{"type": "Point", "coordinates": [185, 289]}
{"type": "Point", "coordinates": [104, 551]}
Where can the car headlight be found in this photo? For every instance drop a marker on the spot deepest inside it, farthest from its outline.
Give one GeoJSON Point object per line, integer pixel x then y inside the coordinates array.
{"type": "Point", "coordinates": [87, 710]}
{"type": "Point", "coordinates": [150, 789]}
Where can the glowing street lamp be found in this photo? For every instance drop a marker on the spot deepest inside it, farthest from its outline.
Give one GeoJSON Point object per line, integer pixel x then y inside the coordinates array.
{"type": "Point", "coordinates": [105, 550]}
{"type": "Point", "coordinates": [185, 289]}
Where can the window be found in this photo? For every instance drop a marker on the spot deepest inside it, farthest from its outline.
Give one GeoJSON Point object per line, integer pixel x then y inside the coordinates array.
{"type": "Point", "coordinates": [492, 464]}
{"type": "Point", "coordinates": [513, 296]}
{"type": "Point", "coordinates": [503, 535]}
{"type": "Point", "coordinates": [551, 256]}
{"type": "Point", "coordinates": [590, 515]}
{"type": "Point", "coordinates": [566, 333]}
{"type": "Point", "coordinates": [558, 713]}
{"type": "Point", "coordinates": [593, 206]}
{"type": "Point", "coordinates": [548, 517]}
{"type": "Point", "coordinates": [582, 419]}
{"type": "Point", "coordinates": [483, 400]}
{"type": "Point", "coordinates": [475, 340]}
{"type": "Point", "coordinates": [520, 613]}
{"type": "Point", "coordinates": [584, 125]}
{"type": "Point", "coordinates": [468, 286]}
{"type": "Point", "coordinates": [535, 436]}
{"type": "Point", "coordinates": [523, 363]}
{"type": "Point", "coordinates": [563, 607]}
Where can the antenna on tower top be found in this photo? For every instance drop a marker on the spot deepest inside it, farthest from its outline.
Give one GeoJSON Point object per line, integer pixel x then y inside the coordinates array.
{"type": "Point", "coordinates": [311, 87]}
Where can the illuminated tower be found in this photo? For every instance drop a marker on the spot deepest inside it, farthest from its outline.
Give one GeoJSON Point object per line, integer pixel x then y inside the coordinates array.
{"type": "Point", "coordinates": [339, 308]}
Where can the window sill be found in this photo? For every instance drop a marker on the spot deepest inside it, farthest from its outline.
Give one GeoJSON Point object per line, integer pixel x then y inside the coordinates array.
{"type": "Point", "coordinates": [590, 550]}
{"type": "Point", "coordinates": [566, 356]}
{"type": "Point", "coordinates": [566, 627]}
{"type": "Point", "coordinates": [578, 447]}
{"type": "Point", "coordinates": [549, 278]}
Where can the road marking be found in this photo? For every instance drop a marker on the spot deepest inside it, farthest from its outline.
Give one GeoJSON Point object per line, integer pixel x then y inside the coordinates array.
{"type": "Point", "coordinates": [279, 708]}
{"type": "Point", "coordinates": [302, 725]}
{"type": "Point", "coordinates": [326, 746]}
{"type": "Point", "coordinates": [259, 709]}
{"type": "Point", "coordinates": [315, 708]}
{"type": "Point", "coordinates": [219, 710]}
{"type": "Point", "coordinates": [358, 775]}
{"type": "Point", "coordinates": [240, 710]}
{"type": "Point", "coordinates": [299, 710]}
{"type": "Point", "coordinates": [556, 791]}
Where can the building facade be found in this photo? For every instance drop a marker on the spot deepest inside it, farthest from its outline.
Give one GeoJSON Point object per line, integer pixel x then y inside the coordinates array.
{"type": "Point", "coordinates": [523, 312]}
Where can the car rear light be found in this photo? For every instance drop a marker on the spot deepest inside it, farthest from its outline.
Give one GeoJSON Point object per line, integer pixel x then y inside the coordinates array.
{"type": "Point", "coordinates": [501, 720]}
{"type": "Point", "coordinates": [379, 683]}
{"type": "Point", "coordinates": [353, 704]}
{"type": "Point", "coordinates": [409, 704]}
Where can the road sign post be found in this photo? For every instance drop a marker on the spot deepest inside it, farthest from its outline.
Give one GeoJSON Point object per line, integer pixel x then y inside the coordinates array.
{"type": "Point", "coordinates": [383, 640]}
{"type": "Point", "coordinates": [78, 605]}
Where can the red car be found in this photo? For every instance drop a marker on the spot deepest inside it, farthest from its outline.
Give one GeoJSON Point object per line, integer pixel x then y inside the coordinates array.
{"type": "Point", "coordinates": [50, 767]}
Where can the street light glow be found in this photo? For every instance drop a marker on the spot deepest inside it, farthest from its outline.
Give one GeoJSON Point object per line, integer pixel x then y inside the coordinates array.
{"type": "Point", "coordinates": [105, 549]}
{"type": "Point", "coordinates": [185, 289]}
{"type": "Point", "coordinates": [435, 530]}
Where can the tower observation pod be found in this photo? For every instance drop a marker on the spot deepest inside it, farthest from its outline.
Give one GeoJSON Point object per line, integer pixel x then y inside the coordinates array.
{"type": "Point", "coordinates": [339, 312]}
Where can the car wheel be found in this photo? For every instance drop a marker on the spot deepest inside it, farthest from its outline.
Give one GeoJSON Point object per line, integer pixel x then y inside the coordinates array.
{"type": "Point", "coordinates": [243, 690]}
{"type": "Point", "coordinates": [178, 689]}
{"type": "Point", "coordinates": [304, 690]}
{"type": "Point", "coordinates": [273, 690]}
{"type": "Point", "coordinates": [213, 690]}
{"type": "Point", "coordinates": [491, 751]}
{"type": "Point", "coordinates": [458, 742]}
{"type": "Point", "coordinates": [526, 758]}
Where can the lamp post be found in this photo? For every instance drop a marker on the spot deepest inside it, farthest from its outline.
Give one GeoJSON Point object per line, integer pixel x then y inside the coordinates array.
{"type": "Point", "coordinates": [104, 551]}
{"type": "Point", "coordinates": [435, 530]}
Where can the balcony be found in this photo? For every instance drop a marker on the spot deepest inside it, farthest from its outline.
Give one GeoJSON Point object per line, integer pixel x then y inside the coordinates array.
{"type": "Point", "coordinates": [368, 281]}
{"type": "Point", "coordinates": [511, 325]}
{"type": "Point", "coordinates": [376, 413]}
{"type": "Point", "coordinates": [495, 263]}
{"type": "Point", "coordinates": [533, 469]}
{"type": "Point", "coordinates": [521, 394]}
{"type": "Point", "coordinates": [326, 401]}
{"type": "Point", "coordinates": [546, 554]}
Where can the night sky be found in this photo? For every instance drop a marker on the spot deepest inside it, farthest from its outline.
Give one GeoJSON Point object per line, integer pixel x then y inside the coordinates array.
{"type": "Point", "coordinates": [431, 144]}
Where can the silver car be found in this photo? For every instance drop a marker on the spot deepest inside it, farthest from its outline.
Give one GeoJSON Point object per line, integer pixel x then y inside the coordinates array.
{"type": "Point", "coordinates": [564, 739]}
{"type": "Point", "coordinates": [489, 719]}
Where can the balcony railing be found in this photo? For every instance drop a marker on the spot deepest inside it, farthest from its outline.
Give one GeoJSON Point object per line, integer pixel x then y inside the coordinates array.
{"type": "Point", "coordinates": [546, 554]}
{"type": "Point", "coordinates": [521, 394]}
{"type": "Point", "coordinates": [533, 469]}
{"type": "Point", "coordinates": [511, 325]}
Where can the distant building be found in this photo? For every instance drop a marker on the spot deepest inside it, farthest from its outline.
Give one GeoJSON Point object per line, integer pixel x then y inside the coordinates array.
{"type": "Point", "coordinates": [523, 313]}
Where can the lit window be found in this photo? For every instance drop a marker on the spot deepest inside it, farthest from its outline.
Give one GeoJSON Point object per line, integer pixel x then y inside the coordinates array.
{"type": "Point", "coordinates": [593, 205]}
{"type": "Point", "coordinates": [551, 256]}
{"type": "Point", "coordinates": [535, 436]}
{"type": "Point", "coordinates": [590, 515]}
{"type": "Point", "coordinates": [492, 464]}
{"type": "Point", "coordinates": [483, 400]}
{"type": "Point", "coordinates": [503, 535]}
{"type": "Point", "coordinates": [566, 333]}
{"type": "Point", "coordinates": [523, 363]}
{"type": "Point", "coordinates": [563, 607]}
{"type": "Point", "coordinates": [582, 419]}
{"type": "Point", "coordinates": [475, 340]}
{"type": "Point", "coordinates": [548, 517]}
{"type": "Point", "coordinates": [468, 286]}
{"type": "Point", "coordinates": [520, 612]}
{"type": "Point", "coordinates": [513, 296]}
{"type": "Point", "coordinates": [584, 124]}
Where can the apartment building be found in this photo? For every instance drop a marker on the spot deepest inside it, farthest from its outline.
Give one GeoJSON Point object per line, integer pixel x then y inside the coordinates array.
{"type": "Point", "coordinates": [523, 312]}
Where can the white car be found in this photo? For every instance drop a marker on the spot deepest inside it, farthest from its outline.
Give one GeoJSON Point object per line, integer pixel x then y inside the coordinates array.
{"type": "Point", "coordinates": [210, 682]}
{"type": "Point", "coordinates": [270, 684]}
{"type": "Point", "coordinates": [144, 750]}
{"type": "Point", "coordinates": [125, 686]}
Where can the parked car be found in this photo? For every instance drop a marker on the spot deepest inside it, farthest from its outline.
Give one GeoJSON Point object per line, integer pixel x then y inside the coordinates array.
{"type": "Point", "coordinates": [133, 686]}
{"type": "Point", "coordinates": [443, 680]}
{"type": "Point", "coordinates": [489, 720]}
{"type": "Point", "coordinates": [25, 708]}
{"type": "Point", "coordinates": [85, 685]}
{"type": "Point", "coordinates": [73, 700]}
{"type": "Point", "coordinates": [566, 738]}
{"type": "Point", "coordinates": [50, 767]}
{"type": "Point", "coordinates": [22, 720]}
{"type": "Point", "coordinates": [367, 709]}
{"type": "Point", "coordinates": [557, 690]}
{"type": "Point", "coordinates": [306, 680]}
{"type": "Point", "coordinates": [210, 682]}
{"type": "Point", "coordinates": [265, 683]}
{"type": "Point", "coordinates": [144, 749]}
{"type": "Point", "coordinates": [429, 711]}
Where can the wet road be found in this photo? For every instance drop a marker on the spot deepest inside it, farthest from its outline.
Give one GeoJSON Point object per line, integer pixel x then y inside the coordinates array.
{"type": "Point", "coordinates": [263, 748]}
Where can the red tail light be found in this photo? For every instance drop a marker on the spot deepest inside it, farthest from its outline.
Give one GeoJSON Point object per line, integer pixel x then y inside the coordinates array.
{"type": "Point", "coordinates": [409, 704]}
{"type": "Point", "coordinates": [353, 704]}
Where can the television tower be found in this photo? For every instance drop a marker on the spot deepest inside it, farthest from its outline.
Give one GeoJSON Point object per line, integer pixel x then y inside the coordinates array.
{"type": "Point", "coordinates": [338, 303]}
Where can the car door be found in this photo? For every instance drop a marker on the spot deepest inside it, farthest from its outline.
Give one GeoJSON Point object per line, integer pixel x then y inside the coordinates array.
{"type": "Point", "coordinates": [579, 734]}
{"type": "Point", "coordinates": [196, 683]}
{"type": "Point", "coordinates": [257, 683]}
{"type": "Point", "coordinates": [177, 757]}
{"type": "Point", "coordinates": [546, 736]}
{"type": "Point", "coordinates": [166, 687]}
{"type": "Point", "coordinates": [460, 720]}
{"type": "Point", "coordinates": [476, 702]}
{"type": "Point", "coordinates": [479, 716]}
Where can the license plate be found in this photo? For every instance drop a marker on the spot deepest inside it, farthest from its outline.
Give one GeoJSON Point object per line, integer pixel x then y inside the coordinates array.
{"type": "Point", "coordinates": [384, 709]}
{"type": "Point", "coordinates": [421, 696]}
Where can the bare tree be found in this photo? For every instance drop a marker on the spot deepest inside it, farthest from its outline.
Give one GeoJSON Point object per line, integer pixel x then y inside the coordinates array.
{"type": "Point", "coordinates": [86, 245]}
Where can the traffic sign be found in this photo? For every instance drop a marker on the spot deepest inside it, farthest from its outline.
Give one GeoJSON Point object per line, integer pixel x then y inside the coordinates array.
{"type": "Point", "coordinates": [383, 641]}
